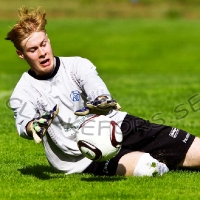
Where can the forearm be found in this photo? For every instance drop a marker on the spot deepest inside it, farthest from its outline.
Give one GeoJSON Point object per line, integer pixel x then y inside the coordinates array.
{"type": "Point", "coordinates": [24, 111]}
{"type": "Point", "coordinates": [95, 87]}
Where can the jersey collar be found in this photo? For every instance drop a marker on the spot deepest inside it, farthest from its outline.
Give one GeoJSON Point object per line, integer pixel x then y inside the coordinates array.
{"type": "Point", "coordinates": [57, 62]}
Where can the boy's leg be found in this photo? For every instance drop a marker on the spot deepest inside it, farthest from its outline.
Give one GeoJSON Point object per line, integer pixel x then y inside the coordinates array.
{"type": "Point", "coordinates": [127, 163]}
{"type": "Point", "coordinates": [192, 157]}
{"type": "Point", "coordinates": [140, 164]}
{"type": "Point", "coordinates": [166, 144]}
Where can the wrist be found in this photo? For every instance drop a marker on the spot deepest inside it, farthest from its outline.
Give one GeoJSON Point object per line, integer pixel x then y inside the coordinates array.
{"type": "Point", "coordinates": [28, 129]}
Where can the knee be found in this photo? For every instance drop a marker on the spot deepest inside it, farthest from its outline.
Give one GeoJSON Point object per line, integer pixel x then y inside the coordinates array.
{"type": "Point", "coordinates": [140, 164]}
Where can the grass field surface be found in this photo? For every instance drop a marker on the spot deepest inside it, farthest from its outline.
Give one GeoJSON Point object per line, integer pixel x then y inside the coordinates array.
{"type": "Point", "coordinates": [150, 66]}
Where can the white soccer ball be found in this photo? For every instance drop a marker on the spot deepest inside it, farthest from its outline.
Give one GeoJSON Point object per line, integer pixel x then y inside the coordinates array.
{"type": "Point", "coordinates": [99, 138]}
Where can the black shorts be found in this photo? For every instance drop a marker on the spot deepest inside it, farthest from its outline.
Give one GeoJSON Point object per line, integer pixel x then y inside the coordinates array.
{"type": "Point", "coordinates": [165, 143]}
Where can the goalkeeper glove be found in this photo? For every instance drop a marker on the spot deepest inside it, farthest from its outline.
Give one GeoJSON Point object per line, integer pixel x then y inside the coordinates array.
{"type": "Point", "coordinates": [100, 106]}
{"type": "Point", "coordinates": [40, 124]}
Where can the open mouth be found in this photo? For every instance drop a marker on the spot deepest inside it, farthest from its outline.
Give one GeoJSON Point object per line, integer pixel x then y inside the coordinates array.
{"type": "Point", "coordinates": [45, 62]}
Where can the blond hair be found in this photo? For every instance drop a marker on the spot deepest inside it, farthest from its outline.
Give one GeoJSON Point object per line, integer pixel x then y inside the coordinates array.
{"type": "Point", "coordinates": [31, 20]}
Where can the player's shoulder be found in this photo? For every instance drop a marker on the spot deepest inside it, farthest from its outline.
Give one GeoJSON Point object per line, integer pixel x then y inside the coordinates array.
{"type": "Point", "coordinates": [23, 83]}
{"type": "Point", "coordinates": [25, 79]}
{"type": "Point", "coordinates": [75, 60]}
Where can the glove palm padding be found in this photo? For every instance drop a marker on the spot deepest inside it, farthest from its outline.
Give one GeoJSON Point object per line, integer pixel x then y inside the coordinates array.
{"type": "Point", "coordinates": [100, 106]}
{"type": "Point", "coordinates": [40, 124]}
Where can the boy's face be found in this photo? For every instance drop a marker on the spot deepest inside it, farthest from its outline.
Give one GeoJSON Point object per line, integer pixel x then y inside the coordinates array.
{"type": "Point", "coordinates": [38, 53]}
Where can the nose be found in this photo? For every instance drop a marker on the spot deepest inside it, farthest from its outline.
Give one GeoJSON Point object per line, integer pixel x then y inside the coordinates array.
{"type": "Point", "coordinates": [41, 52]}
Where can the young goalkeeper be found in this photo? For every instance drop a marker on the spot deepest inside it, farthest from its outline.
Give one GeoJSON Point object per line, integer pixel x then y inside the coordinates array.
{"type": "Point", "coordinates": [73, 84]}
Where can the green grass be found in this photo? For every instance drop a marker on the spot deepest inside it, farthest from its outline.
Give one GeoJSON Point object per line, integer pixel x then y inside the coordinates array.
{"type": "Point", "coordinates": [150, 66]}
{"type": "Point", "coordinates": [107, 9]}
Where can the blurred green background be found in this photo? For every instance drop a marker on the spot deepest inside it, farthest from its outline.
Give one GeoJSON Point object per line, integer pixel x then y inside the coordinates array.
{"type": "Point", "coordinates": [144, 32]}
{"type": "Point", "coordinates": [107, 8]}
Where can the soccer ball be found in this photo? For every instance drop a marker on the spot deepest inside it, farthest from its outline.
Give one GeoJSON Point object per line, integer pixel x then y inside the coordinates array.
{"type": "Point", "coordinates": [99, 138]}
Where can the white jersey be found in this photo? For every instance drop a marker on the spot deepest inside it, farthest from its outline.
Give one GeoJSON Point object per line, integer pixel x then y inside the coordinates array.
{"type": "Point", "coordinates": [72, 82]}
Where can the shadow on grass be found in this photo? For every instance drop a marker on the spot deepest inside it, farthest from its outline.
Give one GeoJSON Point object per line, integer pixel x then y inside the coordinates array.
{"type": "Point", "coordinates": [44, 172]}
{"type": "Point", "coordinates": [177, 169]}
{"type": "Point", "coordinates": [40, 171]}
{"type": "Point", "coordinates": [103, 179]}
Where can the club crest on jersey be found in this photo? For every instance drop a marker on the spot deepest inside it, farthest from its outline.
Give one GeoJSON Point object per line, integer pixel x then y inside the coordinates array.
{"type": "Point", "coordinates": [75, 95]}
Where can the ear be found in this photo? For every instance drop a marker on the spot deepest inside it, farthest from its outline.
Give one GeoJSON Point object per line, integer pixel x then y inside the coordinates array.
{"type": "Point", "coordinates": [20, 54]}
